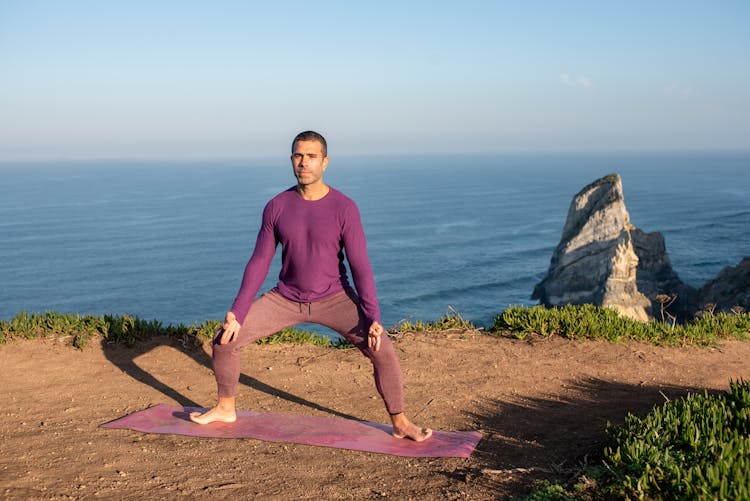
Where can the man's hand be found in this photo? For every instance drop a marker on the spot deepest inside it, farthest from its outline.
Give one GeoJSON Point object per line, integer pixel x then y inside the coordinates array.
{"type": "Point", "coordinates": [231, 328]}
{"type": "Point", "coordinates": [373, 338]}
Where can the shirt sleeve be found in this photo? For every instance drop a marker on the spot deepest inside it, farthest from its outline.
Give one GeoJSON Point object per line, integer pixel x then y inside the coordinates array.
{"type": "Point", "coordinates": [355, 246]}
{"type": "Point", "coordinates": [257, 267]}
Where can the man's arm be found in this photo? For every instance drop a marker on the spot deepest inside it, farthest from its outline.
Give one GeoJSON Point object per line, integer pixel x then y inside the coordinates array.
{"type": "Point", "coordinates": [256, 271]}
{"type": "Point", "coordinates": [355, 245]}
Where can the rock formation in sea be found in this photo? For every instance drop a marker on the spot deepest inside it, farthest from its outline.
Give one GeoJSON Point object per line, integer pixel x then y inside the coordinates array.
{"type": "Point", "coordinates": [603, 259]}
{"type": "Point", "coordinates": [730, 288]}
{"type": "Point", "coordinates": [595, 261]}
{"type": "Point", "coordinates": [655, 277]}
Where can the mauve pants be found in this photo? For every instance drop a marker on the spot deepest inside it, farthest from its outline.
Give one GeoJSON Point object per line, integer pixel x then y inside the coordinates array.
{"type": "Point", "coordinates": [340, 312]}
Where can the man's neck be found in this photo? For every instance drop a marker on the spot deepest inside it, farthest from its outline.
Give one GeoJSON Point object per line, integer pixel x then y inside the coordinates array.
{"type": "Point", "coordinates": [313, 191]}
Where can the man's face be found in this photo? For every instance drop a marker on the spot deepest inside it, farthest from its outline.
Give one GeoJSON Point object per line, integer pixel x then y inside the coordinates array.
{"type": "Point", "coordinates": [308, 162]}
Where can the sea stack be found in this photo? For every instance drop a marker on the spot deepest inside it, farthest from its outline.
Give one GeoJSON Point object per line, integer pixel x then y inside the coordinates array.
{"type": "Point", "coordinates": [655, 276]}
{"type": "Point", "coordinates": [595, 261]}
{"type": "Point", "coordinates": [730, 289]}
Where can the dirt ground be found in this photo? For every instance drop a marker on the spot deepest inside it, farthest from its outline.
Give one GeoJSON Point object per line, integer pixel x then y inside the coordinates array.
{"type": "Point", "coordinates": [541, 404]}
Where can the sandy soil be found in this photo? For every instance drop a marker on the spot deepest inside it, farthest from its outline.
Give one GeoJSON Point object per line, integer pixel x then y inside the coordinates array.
{"type": "Point", "coordinates": [541, 404]}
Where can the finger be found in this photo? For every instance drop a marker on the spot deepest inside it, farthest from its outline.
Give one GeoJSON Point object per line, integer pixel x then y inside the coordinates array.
{"type": "Point", "coordinates": [225, 337]}
{"type": "Point", "coordinates": [228, 335]}
{"type": "Point", "coordinates": [235, 330]}
{"type": "Point", "coordinates": [373, 340]}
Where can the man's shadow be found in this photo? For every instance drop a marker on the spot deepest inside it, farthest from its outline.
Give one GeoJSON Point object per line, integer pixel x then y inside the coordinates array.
{"type": "Point", "coordinates": [125, 357]}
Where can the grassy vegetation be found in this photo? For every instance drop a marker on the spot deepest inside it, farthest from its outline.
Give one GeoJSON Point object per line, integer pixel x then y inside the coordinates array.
{"type": "Point", "coordinates": [129, 330]}
{"type": "Point", "coordinates": [697, 448]}
{"type": "Point", "coordinates": [298, 336]}
{"type": "Point", "coordinates": [692, 448]}
{"type": "Point", "coordinates": [547, 491]}
{"type": "Point", "coordinates": [593, 322]}
{"type": "Point", "coordinates": [452, 320]}
{"type": "Point", "coordinates": [572, 322]}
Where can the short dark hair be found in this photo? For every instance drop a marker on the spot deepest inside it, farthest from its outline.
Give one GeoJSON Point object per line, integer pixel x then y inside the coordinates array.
{"type": "Point", "coordinates": [311, 135]}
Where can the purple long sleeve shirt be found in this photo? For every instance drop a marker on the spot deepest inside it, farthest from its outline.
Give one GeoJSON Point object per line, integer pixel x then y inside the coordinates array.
{"type": "Point", "coordinates": [314, 235]}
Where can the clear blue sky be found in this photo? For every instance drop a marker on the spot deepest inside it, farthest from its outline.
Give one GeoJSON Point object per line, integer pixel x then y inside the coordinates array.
{"type": "Point", "coordinates": [213, 79]}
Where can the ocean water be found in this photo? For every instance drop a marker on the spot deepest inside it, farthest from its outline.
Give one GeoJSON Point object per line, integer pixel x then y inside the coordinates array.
{"type": "Point", "coordinates": [169, 241]}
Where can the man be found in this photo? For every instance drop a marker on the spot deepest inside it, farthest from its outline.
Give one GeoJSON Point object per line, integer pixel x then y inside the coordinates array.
{"type": "Point", "coordinates": [316, 226]}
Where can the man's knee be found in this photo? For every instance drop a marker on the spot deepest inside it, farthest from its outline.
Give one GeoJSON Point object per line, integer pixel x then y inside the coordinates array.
{"type": "Point", "coordinates": [386, 353]}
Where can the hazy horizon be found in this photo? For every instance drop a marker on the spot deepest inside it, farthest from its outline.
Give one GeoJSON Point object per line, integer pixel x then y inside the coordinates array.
{"type": "Point", "coordinates": [347, 158]}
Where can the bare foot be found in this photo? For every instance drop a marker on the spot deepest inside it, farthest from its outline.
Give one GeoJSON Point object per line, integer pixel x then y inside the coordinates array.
{"type": "Point", "coordinates": [215, 414]}
{"type": "Point", "coordinates": [403, 428]}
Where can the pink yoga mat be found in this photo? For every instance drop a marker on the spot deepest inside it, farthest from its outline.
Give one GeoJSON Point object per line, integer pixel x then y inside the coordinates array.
{"type": "Point", "coordinates": [308, 430]}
